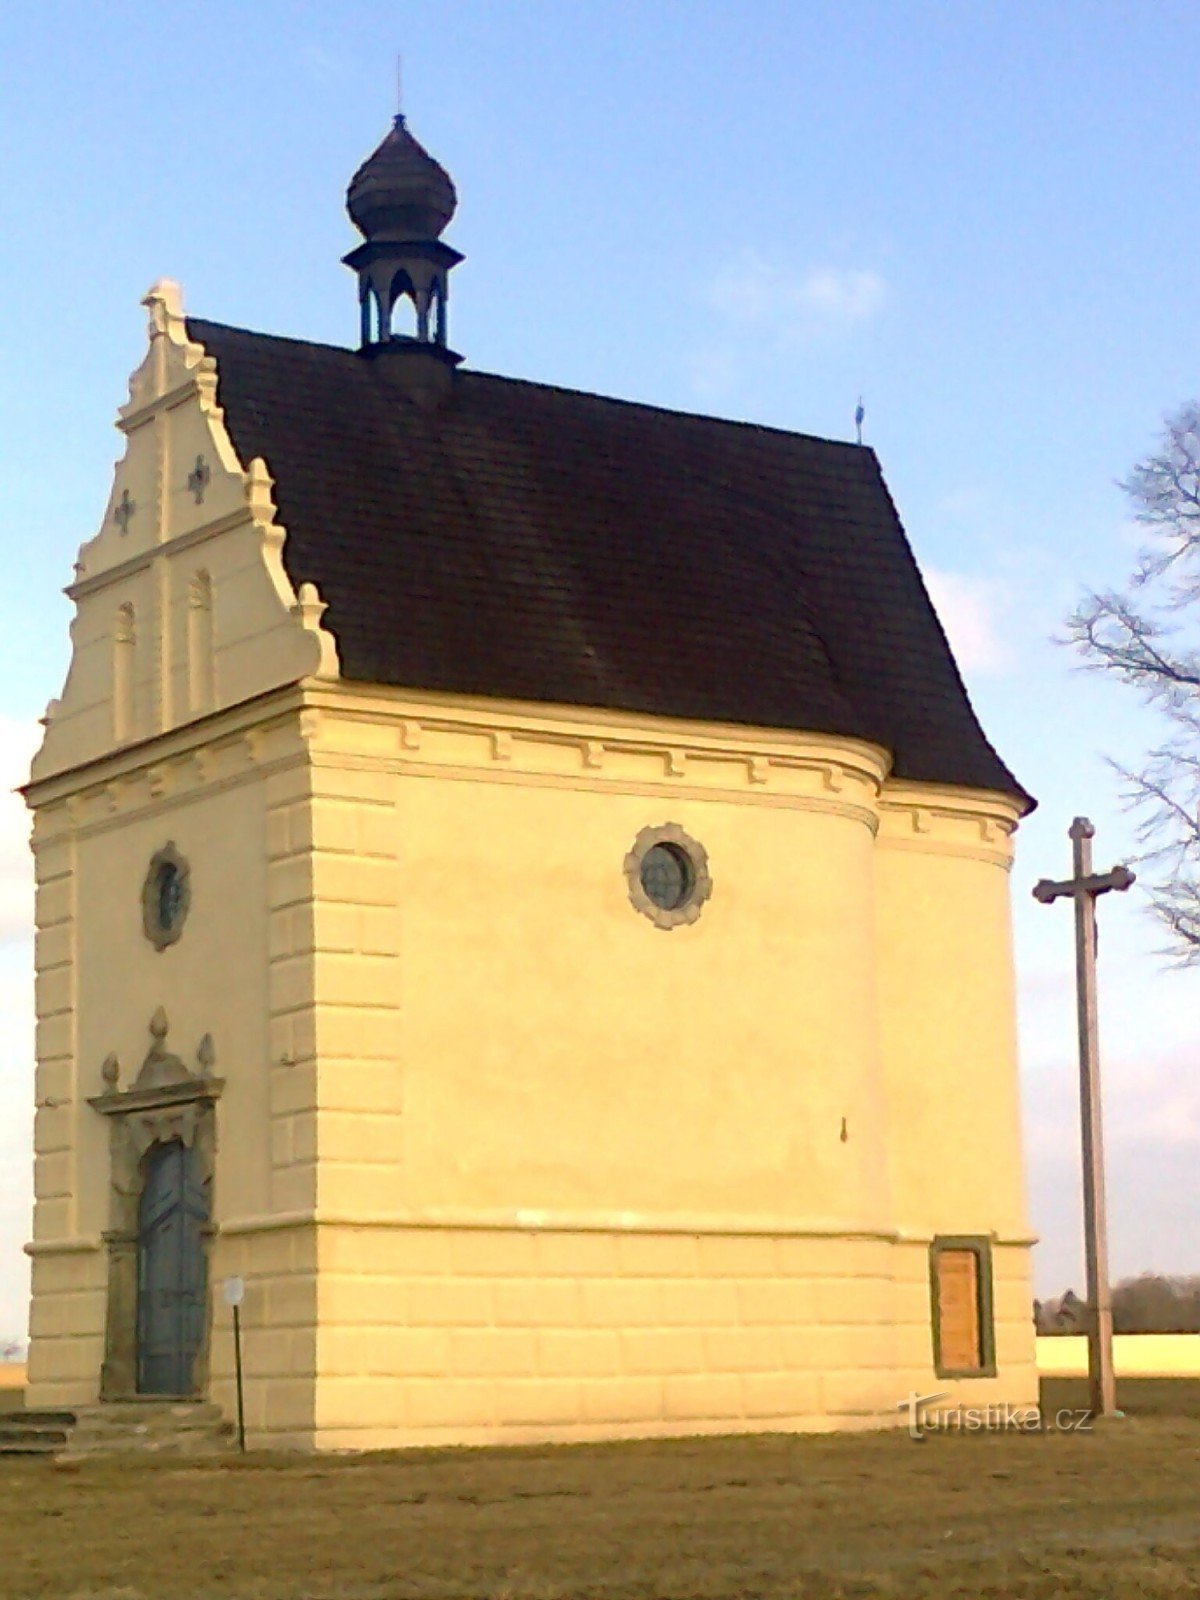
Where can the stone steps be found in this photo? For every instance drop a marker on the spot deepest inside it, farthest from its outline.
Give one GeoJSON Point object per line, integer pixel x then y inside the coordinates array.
{"type": "Point", "coordinates": [118, 1427]}
{"type": "Point", "coordinates": [35, 1433]}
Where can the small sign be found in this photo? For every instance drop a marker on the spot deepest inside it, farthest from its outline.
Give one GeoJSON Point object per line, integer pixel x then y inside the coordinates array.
{"type": "Point", "coordinates": [235, 1291]}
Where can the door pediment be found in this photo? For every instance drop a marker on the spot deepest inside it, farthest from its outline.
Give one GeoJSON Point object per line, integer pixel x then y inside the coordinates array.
{"type": "Point", "coordinates": [165, 1098]}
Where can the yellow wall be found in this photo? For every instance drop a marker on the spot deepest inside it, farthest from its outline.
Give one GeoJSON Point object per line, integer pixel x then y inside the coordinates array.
{"type": "Point", "coordinates": [498, 1158]}
{"type": "Point", "coordinates": [636, 1105]}
{"type": "Point", "coordinates": [99, 982]}
{"type": "Point", "coordinates": [949, 1013]}
{"type": "Point", "coordinates": [582, 1056]}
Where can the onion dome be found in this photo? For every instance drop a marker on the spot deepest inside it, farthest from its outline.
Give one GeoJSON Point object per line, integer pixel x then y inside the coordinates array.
{"type": "Point", "coordinates": [400, 192]}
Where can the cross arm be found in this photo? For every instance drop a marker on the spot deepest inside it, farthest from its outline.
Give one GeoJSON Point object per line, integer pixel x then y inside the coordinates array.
{"type": "Point", "coordinates": [1047, 890]}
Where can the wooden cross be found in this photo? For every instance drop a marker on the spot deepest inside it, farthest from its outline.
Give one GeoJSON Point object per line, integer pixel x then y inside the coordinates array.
{"type": "Point", "coordinates": [198, 478]}
{"type": "Point", "coordinates": [1084, 887]}
{"type": "Point", "coordinates": [123, 515]}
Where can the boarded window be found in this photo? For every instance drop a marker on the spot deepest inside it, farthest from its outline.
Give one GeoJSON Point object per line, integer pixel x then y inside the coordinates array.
{"type": "Point", "coordinates": [961, 1284]}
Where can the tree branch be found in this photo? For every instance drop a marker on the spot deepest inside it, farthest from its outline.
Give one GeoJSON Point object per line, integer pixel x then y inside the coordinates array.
{"type": "Point", "coordinates": [1136, 643]}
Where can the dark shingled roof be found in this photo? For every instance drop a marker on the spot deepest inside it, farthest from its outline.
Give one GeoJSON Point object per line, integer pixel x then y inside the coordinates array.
{"type": "Point", "coordinates": [533, 543]}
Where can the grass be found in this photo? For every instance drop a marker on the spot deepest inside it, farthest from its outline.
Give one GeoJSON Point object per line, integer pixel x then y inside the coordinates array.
{"type": "Point", "coordinates": [1138, 1397]}
{"type": "Point", "coordinates": [1052, 1516]}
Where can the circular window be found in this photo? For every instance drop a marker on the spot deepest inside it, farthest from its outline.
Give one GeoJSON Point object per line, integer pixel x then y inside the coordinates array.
{"type": "Point", "coordinates": [667, 874]}
{"type": "Point", "coordinates": [166, 895]}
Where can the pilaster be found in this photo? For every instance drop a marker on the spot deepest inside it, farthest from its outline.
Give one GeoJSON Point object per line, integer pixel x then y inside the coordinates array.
{"type": "Point", "coordinates": [56, 1082]}
{"type": "Point", "coordinates": [355, 845]}
{"type": "Point", "coordinates": [291, 1000]}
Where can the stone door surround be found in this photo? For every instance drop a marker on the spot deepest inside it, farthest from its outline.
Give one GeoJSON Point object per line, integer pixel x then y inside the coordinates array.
{"type": "Point", "coordinates": [167, 1100]}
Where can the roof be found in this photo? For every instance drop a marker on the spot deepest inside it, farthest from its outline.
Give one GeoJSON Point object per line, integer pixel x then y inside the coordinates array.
{"type": "Point", "coordinates": [400, 191]}
{"type": "Point", "coordinates": [526, 542]}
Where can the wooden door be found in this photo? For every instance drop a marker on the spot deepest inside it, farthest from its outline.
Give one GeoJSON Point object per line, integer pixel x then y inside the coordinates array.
{"type": "Point", "coordinates": [172, 1288]}
{"type": "Point", "coordinates": [958, 1310]}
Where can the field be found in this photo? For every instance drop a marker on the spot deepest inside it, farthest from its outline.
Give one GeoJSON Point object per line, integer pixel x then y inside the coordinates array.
{"type": "Point", "coordinates": [1101, 1514]}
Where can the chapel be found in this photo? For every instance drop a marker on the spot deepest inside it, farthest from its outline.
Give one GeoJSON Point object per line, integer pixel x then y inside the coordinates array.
{"type": "Point", "coordinates": [522, 897]}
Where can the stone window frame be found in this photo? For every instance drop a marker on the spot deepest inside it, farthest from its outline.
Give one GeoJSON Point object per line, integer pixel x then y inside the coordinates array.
{"type": "Point", "coordinates": [160, 936]}
{"type": "Point", "coordinates": [981, 1246]}
{"type": "Point", "coordinates": [662, 916]}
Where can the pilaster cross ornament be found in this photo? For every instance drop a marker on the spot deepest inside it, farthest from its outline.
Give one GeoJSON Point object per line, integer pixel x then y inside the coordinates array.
{"type": "Point", "coordinates": [123, 514]}
{"type": "Point", "coordinates": [1084, 887]}
{"type": "Point", "coordinates": [199, 478]}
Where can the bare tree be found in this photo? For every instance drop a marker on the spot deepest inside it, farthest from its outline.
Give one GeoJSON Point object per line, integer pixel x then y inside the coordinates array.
{"type": "Point", "coordinates": [1147, 636]}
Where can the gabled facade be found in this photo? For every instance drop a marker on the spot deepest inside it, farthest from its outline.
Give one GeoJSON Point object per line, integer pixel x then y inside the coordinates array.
{"type": "Point", "coordinates": [568, 977]}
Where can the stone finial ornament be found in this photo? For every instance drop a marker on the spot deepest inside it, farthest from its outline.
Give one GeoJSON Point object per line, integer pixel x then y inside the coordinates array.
{"type": "Point", "coordinates": [110, 1071]}
{"type": "Point", "coordinates": [309, 607]}
{"type": "Point", "coordinates": [164, 302]}
{"type": "Point", "coordinates": [259, 484]}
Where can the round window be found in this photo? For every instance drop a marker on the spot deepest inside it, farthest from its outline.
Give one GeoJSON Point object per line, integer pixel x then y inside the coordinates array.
{"type": "Point", "coordinates": [667, 876]}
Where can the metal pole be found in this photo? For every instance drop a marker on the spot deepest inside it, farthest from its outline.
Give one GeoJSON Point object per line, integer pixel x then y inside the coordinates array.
{"type": "Point", "coordinates": [1101, 1381]}
{"type": "Point", "coordinates": [237, 1359]}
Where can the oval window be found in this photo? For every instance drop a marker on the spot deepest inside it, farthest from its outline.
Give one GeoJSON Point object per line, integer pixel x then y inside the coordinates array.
{"type": "Point", "coordinates": [166, 895]}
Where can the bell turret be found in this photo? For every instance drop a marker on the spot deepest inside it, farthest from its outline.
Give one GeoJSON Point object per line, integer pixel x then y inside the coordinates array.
{"type": "Point", "coordinates": [400, 200]}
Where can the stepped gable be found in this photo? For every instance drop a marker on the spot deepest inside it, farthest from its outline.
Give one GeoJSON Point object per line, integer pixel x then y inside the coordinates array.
{"type": "Point", "coordinates": [521, 541]}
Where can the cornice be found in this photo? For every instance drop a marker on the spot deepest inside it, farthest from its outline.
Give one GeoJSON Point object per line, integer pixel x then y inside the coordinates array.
{"type": "Point", "coordinates": [380, 702]}
{"type": "Point", "coordinates": [193, 386]}
{"type": "Point", "coordinates": [235, 746]}
{"type": "Point", "coordinates": [706, 1224]}
{"type": "Point", "coordinates": [365, 728]}
{"type": "Point", "coordinates": [941, 819]}
{"type": "Point", "coordinates": [564, 1221]}
{"type": "Point", "coordinates": [438, 735]}
{"type": "Point", "coordinates": [124, 570]}
{"type": "Point", "coordinates": [952, 800]}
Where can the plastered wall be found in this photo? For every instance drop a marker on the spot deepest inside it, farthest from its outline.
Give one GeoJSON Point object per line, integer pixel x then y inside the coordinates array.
{"type": "Point", "coordinates": [497, 1157]}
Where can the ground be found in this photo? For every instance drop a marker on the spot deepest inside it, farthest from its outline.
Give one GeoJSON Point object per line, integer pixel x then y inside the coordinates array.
{"type": "Point", "coordinates": [1095, 1515]}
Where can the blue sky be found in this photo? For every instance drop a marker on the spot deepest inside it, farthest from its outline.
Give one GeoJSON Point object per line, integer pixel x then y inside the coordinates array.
{"type": "Point", "coordinates": [975, 215]}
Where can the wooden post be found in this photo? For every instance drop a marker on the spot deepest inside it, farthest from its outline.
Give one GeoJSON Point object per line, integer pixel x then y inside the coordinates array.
{"type": "Point", "coordinates": [1083, 887]}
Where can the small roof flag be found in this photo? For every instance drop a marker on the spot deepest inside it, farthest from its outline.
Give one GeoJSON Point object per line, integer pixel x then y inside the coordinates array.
{"type": "Point", "coordinates": [859, 413]}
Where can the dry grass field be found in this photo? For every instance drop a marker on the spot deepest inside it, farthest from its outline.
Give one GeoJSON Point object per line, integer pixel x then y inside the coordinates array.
{"type": "Point", "coordinates": [1101, 1515]}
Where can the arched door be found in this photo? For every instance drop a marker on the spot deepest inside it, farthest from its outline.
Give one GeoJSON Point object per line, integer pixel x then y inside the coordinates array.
{"type": "Point", "coordinates": [171, 1271]}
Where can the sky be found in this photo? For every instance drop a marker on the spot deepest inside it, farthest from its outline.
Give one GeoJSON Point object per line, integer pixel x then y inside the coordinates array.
{"type": "Point", "coordinates": [975, 216]}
